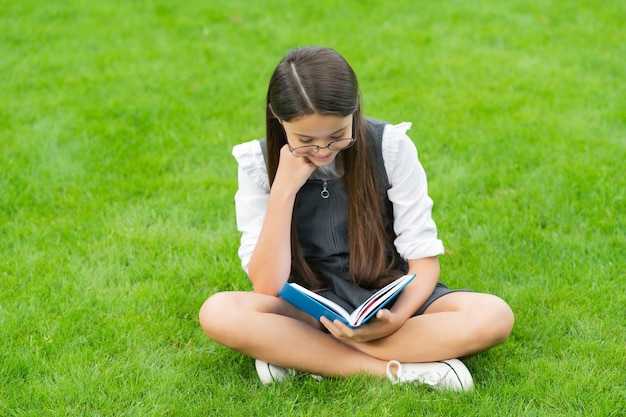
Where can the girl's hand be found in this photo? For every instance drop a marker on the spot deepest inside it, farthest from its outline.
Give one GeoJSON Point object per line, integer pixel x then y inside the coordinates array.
{"type": "Point", "coordinates": [293, 171]}
{"type": "Point", "coordinates": [385, 324]}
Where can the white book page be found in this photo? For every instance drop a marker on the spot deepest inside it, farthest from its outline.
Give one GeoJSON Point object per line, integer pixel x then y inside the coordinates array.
{"type": "Point", "coordinates": [328, 303]}
{"type": "Point", "coordinates": [380, 296]}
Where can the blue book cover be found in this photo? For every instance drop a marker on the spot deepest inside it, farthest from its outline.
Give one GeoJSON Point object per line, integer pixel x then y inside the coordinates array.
{"type": "Point", "coordinates": [319, 306]}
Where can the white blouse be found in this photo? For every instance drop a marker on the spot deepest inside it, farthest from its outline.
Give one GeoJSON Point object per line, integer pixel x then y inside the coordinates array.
{"type": "Point", "coordinates": [413, 224]}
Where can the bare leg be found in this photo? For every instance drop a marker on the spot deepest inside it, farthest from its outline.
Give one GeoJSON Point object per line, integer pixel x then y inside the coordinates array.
{"type": "Point", "coordinates": [272, 330]}
{"type": "Point", "coordinates": [456, 325]}
{"type": "Point", "coordinates": [268, 328]}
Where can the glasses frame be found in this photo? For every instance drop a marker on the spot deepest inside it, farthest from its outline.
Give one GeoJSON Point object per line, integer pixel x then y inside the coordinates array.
{"type": "Point", "coordinates": [316, 148]}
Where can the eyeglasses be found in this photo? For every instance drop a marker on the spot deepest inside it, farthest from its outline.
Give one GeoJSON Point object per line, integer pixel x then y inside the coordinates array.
{"type": "Point", "coordinates": [335, 146]}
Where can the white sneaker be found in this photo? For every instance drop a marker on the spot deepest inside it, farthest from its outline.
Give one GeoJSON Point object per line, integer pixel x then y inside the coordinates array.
{"type": "Point", "coordinates": [269, 373]}
{"type": "Point", "coordinates": [442, 375]}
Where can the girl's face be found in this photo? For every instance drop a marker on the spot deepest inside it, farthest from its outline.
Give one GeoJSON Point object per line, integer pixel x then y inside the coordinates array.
{"type": "Point", "coordinates": [319, 130]}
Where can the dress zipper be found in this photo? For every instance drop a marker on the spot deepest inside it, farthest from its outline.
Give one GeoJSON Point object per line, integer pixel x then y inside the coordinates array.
{"type": "Point", "coordinates": [324, 193]}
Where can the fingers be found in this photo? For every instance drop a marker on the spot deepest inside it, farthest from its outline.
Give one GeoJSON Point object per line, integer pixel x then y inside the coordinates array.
{"type": "Point", "coordinates": [380, 327]}
{"type": "Point", "coordinates": [292, 171]}
{"type": "Point", "coordinates": [338, 329]}
{"type": "Point", "coordinates": [383, 315]}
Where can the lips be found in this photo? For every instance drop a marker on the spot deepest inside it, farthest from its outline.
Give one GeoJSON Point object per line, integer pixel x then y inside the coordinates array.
{"type": "Point", "coordinates": [323, 159]}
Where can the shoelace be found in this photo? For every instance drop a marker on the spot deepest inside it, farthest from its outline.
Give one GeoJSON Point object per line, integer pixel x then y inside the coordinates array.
{"type": "Point", "coordinates": [431, 378]}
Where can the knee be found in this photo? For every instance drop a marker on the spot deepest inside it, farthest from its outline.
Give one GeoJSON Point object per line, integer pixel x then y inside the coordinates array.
{"type": "Point", "coordinates": [216, 315]}
{"type": "Point", "coordinates": [497, 321]}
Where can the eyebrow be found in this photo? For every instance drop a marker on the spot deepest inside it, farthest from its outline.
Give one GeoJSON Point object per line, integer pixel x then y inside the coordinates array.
{"type": "Point", "coordinates": [301, 136]}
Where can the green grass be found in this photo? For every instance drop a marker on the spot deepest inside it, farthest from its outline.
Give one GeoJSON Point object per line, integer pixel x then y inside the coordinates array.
{"type": "Point", "coordinates": [116, 195]}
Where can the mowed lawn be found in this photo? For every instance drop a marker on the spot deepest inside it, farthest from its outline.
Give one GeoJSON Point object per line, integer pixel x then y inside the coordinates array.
{"type": "Point", "coordinates": [117, 121]}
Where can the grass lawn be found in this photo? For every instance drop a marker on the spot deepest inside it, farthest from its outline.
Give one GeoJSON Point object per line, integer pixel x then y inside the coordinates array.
{"type": "Point", "coordinates": [117, 121]}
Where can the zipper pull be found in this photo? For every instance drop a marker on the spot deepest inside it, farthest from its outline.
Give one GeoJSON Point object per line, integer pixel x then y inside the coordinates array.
{"type": "Point", "coordinates": [324, 193]}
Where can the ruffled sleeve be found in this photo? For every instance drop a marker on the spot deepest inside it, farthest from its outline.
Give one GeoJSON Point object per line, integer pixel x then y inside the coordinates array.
{"type": "Point", "coordinates": [416, 232]}
{"type": "Point", "coordinates": [251, 198]}
{"type": "Point", "coordinates": [250, 158]}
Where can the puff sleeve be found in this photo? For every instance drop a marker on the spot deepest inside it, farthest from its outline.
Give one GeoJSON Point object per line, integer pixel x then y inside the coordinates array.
{"type": "Point", "coordinates": [416, 232]}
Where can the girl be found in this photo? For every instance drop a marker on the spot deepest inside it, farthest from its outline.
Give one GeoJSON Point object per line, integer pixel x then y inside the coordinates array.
{"type": "Point", "coordinates": [339, 203]}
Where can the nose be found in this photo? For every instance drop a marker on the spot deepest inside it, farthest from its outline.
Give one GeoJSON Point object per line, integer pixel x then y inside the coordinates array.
{"type": "Point", "coordinates": [324, 154]}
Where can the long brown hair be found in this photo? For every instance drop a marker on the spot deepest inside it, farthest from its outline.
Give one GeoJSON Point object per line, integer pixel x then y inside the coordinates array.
{"type": "Point", "coordinates": [317, 80]}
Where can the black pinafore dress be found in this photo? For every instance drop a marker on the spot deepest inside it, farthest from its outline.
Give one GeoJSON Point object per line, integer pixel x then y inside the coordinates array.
{"type": "Point", "coordinates": [321, 213]}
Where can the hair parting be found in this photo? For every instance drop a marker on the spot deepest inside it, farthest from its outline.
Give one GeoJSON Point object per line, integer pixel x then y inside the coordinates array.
{"type": "Point", "coordinates": [304, 94]}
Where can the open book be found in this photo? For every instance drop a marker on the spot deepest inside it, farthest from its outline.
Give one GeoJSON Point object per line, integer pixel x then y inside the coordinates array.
{"type": "Point", "coordinates": [319, 306]}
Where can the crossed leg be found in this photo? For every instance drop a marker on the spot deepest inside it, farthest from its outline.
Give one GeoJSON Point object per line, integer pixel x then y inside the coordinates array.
{"type": "Point", "coordinates": [457, 325]}
{"type": "Point", "coordinates": [272, 330]}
